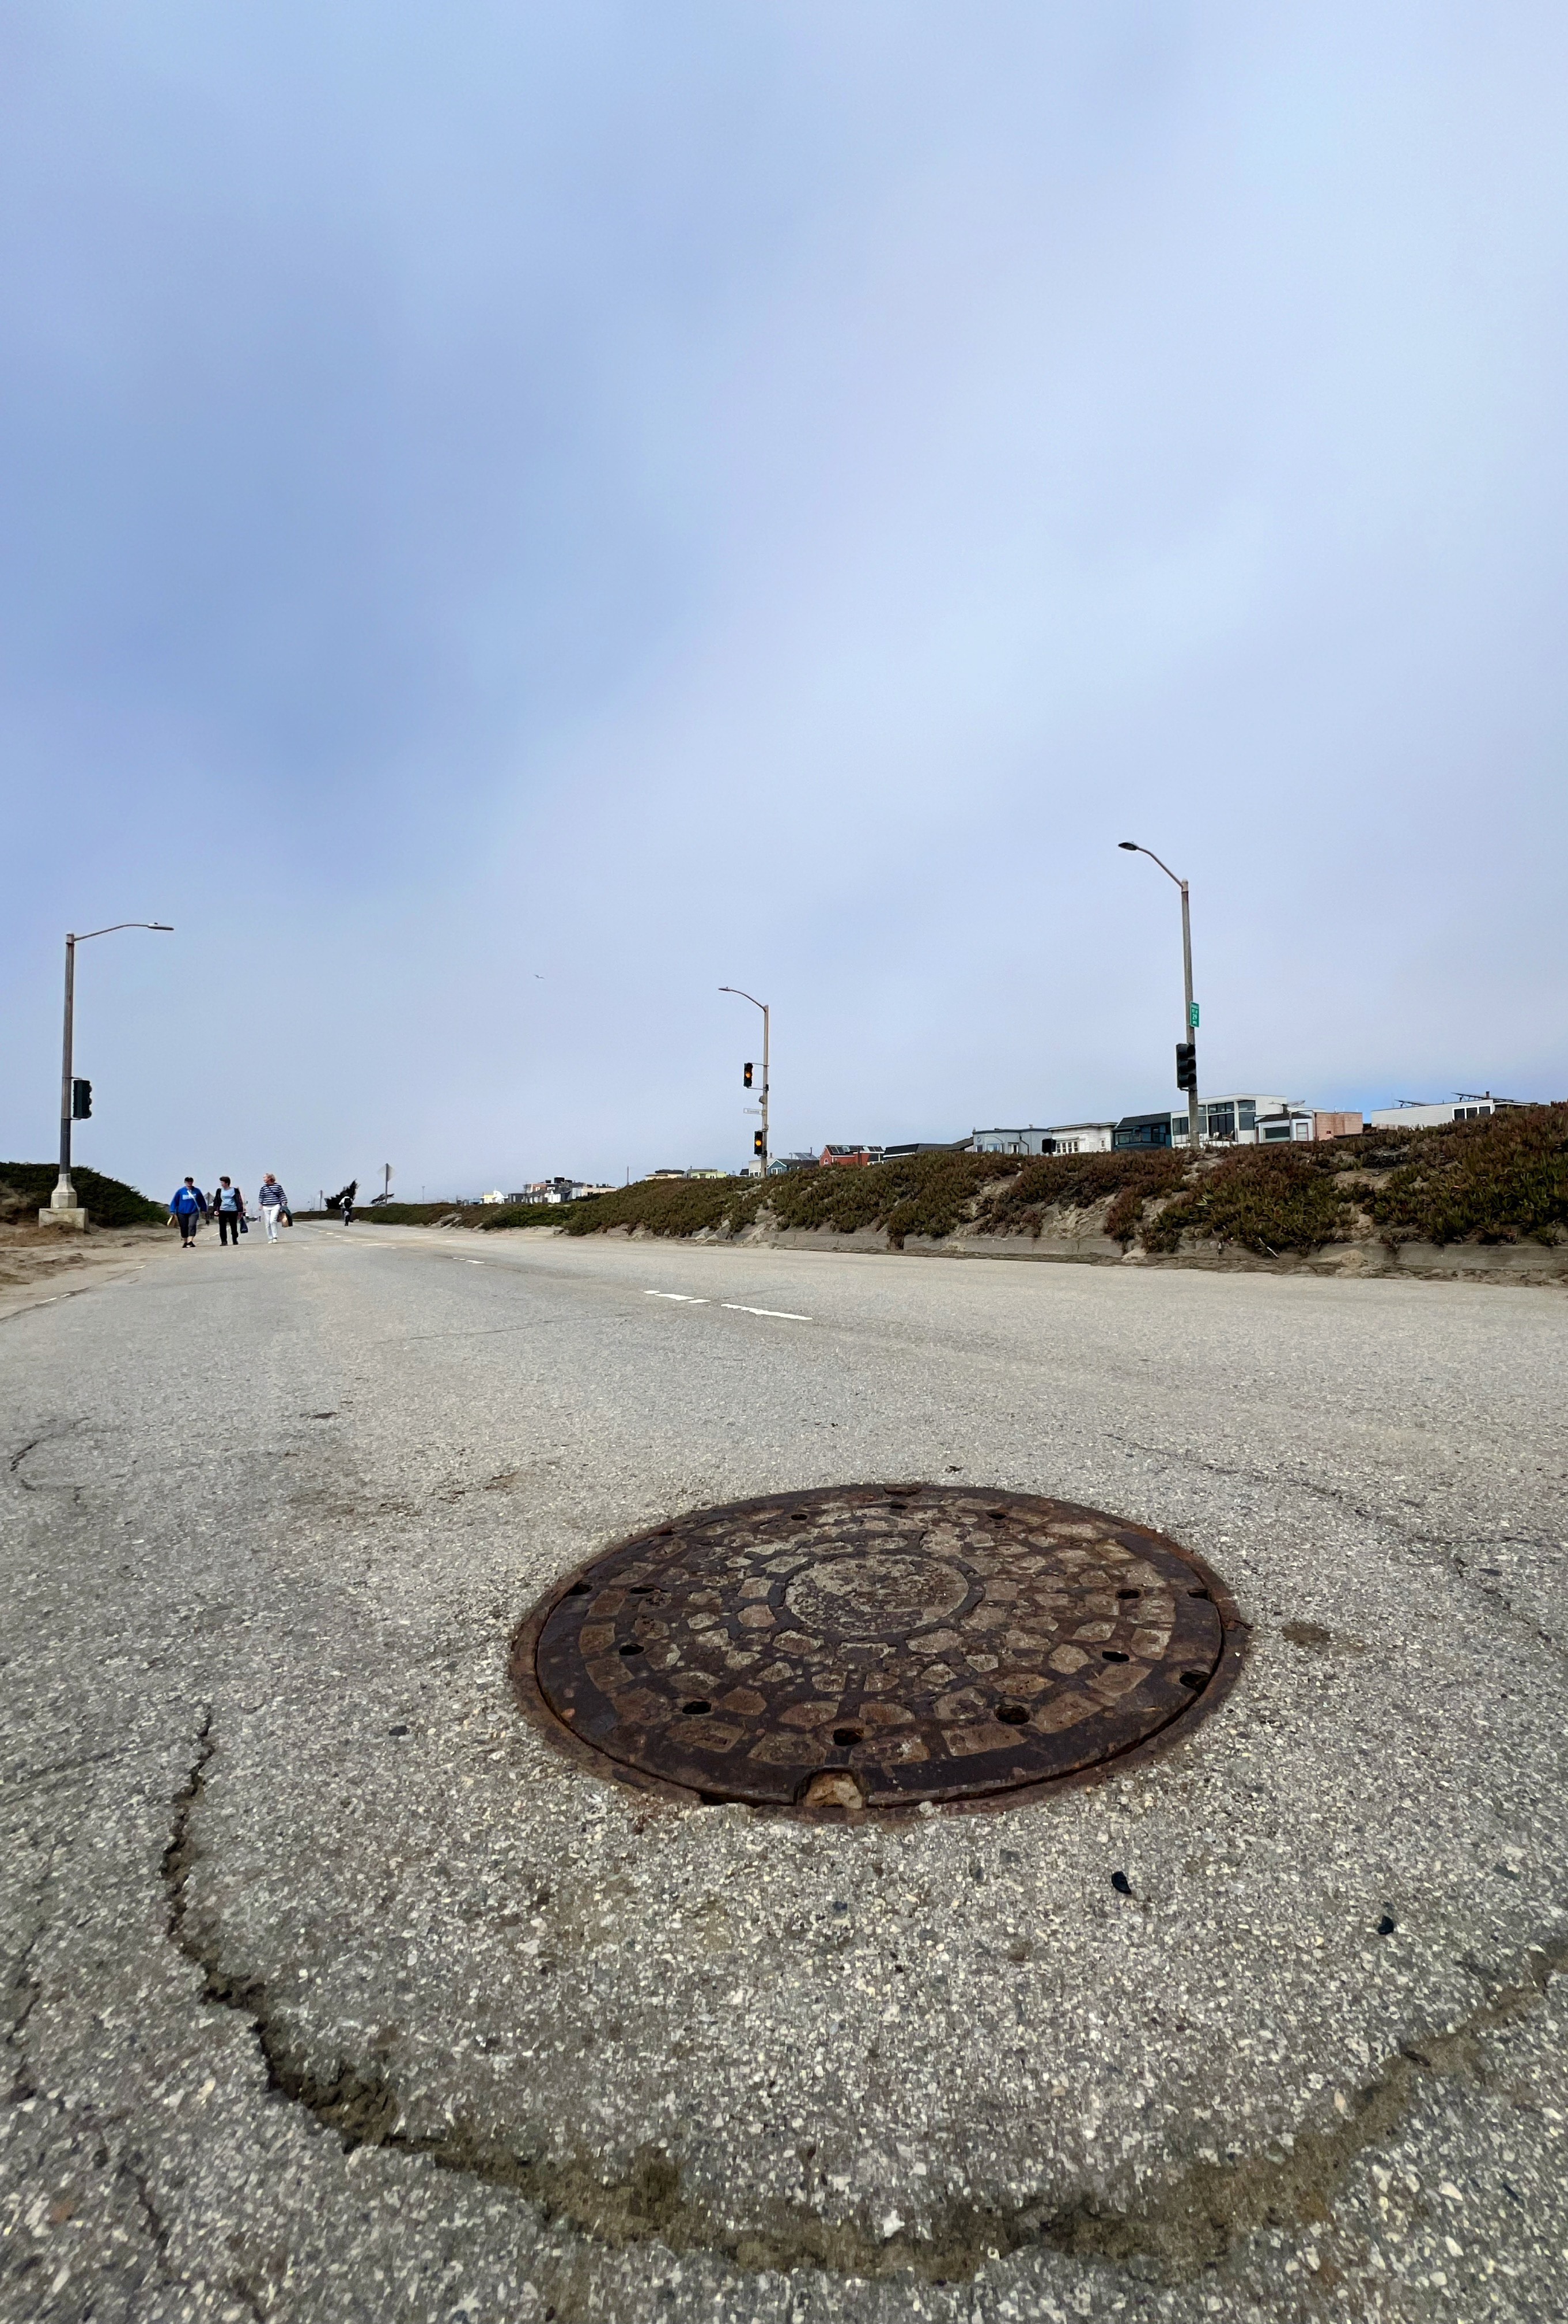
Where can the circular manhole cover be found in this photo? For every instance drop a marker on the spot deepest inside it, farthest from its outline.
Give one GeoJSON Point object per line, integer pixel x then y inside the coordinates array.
{"type": "Point", "coordinates": [874, 1647]}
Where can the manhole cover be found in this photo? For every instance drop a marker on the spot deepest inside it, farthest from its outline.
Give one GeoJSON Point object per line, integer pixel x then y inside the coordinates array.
{"type": "Point", "coordinates": [875, 1646]}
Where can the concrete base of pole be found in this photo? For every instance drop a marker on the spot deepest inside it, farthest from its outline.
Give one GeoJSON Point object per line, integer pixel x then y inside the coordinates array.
{"type": "Point", "coordinates": [66, 1216]}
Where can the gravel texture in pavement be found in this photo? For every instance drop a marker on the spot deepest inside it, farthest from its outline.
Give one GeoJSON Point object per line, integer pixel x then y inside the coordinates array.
{"type": "Point", "coordinates": [335, 1992]}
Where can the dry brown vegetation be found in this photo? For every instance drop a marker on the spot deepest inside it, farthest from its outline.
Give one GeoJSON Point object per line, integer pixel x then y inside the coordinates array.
{"type": "Point", "coordinates": [1502, 1179]}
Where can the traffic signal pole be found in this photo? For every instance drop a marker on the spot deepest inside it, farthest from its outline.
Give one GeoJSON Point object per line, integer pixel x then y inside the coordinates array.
{"type": "Point", "coordinates": [64, 1195]}
{"type": "Point", "coordinates": [62, 1202]}
{"type": "Point", "coordinates": [1190, 1029]}
{"type": "Point", "coordinates": [1190, 1033]}
{"type": "Point", "coordinates": [760, 1147]}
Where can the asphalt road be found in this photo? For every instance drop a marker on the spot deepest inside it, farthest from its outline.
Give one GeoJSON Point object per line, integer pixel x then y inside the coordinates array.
{"type": "Point", "coordinates": [336, 1994]}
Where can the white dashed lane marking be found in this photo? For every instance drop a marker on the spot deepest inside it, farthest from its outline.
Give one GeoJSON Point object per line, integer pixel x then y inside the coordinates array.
{"type": "Point", "coordinates": [732, 1307]}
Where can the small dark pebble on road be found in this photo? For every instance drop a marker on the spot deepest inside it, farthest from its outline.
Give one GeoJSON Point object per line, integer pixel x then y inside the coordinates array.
{"type": "Point", "coordinates": [397, 1730]}
{"type": "Point", "coordinates": [1122, 1884]}
{"type": "Point", "coordinates": [1387, 1925]}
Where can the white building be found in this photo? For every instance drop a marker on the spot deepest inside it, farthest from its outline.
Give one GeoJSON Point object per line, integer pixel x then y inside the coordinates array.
{"type": "Point", "coordinates": [1235, 1120]}
{"type": "Point", "coordinates": [1064, 1138]}
{"type": "Point", "coordinates": [1466, 1106]}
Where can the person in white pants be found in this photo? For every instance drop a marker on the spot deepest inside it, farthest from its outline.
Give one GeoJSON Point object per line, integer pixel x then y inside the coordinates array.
{"type": "Point", "coordinates": [273, 1201]}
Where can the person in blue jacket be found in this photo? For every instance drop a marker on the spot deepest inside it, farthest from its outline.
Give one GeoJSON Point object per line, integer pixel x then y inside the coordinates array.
{"type": "Point", "coordinates": [188, 1208]}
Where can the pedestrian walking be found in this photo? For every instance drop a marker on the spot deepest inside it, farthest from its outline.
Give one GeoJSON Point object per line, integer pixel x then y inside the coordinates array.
{"type": "Point", "coordinates": [188, 1208]}
{"type": "Point", "coordinates": [273, 1202]}
{"type": "Point", "coordinates": [230, 1205]}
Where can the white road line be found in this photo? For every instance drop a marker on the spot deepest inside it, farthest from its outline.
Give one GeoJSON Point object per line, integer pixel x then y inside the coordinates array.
{"type": "Point", "coordinates": [785, 1314]}
{"type": "Point", "coordinates": [685, 1297]}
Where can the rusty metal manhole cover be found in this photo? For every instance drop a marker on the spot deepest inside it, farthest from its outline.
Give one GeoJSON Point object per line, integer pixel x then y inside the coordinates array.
{"type": "Point", "coordinates": [875, 1647]}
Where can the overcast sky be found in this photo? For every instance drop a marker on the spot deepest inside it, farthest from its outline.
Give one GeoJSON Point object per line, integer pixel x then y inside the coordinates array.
{"type": "Point", "coordinates": [517, 516]}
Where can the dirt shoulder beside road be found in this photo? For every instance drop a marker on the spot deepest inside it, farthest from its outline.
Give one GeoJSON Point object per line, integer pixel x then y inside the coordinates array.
{"type": "Point", "coordinates": [40, 1264]}
{"type": "Point", "coordinates": [1076, 1241]}
{"type": "Point", "coordinates": [1079, 1238]}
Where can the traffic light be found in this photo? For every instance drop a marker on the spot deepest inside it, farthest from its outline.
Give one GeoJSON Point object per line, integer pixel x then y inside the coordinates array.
{"type": "Point", "coordinates": [1187, 1064]}
{"type": "Point", "coordinates": [746, 1075]}
{"type": "Point", "coordinates": [81, 1100]}
{"type": "Point", "coordinates": [756, 1141]}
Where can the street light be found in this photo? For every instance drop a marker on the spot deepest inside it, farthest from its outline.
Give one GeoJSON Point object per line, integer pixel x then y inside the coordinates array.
{"type": "Point", "coordinates": [62, 1202]}
{"type": "Point", "coordinates": [1190, 1040]}
{"type": "Point", "coordinates": [763, 1007]}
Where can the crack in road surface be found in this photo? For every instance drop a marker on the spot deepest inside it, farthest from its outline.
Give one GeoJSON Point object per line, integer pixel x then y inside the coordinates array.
{"type": "Point", "coordinates": [1194, 2222]}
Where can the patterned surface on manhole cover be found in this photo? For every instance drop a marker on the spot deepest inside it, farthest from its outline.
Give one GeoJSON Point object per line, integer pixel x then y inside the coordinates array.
{"type": "Point", "coordinates": [874, 1647]}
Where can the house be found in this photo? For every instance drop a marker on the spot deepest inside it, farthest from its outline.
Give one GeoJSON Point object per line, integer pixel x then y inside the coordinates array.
{"type": "Point", "coordinates": [1232, 1121]}
{"type": "Point", "coordinates": [1143, 1129]}
{"type": "Point", "coordinates": [792, 1162]}
{"type": "Point", "coordinates": [1241, 1121]}
{"type": "Point", "coordinates": [553, 1190]}
{"type": "Point", "coordinates": [1290, 1126]}
{"type": "Point", "coordinates": [854, 1156]}
{"type": "Point", "coordinates": [923, 1146]}
{"type": "Point", "coordinates": [1411, 1114]}
{"type": "Point", "coordinates": [1237, 1120]}
{"type": "Point", "coordinates": [1064, 1137]}
{"type": "Point", "coordinates": [1301, 1125]}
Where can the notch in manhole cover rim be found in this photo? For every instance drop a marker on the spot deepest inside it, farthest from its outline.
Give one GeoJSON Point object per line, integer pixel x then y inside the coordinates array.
{"type": "Point", "coordinates": [877, 1649]}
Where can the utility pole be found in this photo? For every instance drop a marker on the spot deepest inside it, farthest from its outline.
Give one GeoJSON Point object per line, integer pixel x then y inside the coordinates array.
{"type": "Point", "coordinates": [761, 1140]}
{"type": "Point", "coordinates": [64, 1195]}
{"type": "Point", "coordinates": [1187, 1047]}
{"type": "Point", "coordinates": [63, 1207]}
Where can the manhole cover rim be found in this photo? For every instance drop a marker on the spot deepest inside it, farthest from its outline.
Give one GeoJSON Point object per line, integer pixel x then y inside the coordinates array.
{"type": "Point", "coordinates": [591, 1758]}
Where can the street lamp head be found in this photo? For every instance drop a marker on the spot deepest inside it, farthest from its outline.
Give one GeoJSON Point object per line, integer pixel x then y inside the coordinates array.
{"type": "Point", "coordinates": [1130, 845]}
{"type": "Point", "coordinates": [162, 928]}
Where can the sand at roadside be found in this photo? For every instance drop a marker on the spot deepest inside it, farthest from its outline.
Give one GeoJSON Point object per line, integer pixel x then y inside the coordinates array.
{"type": "Point", "coordinates": [38, 1264]}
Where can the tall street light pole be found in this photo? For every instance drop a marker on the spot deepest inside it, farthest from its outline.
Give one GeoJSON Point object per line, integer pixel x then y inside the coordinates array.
{"type": "Point", "coordinates": [1189, 1042]}
{"type": "Point", "coordinates": [763, 1007]}
{"type": "Point", "coordinates": [63, 1199]}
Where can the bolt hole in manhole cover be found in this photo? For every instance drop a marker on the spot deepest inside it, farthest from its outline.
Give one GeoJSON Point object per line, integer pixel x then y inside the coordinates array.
{"type": "Point", "coordinates": [870, 1647]}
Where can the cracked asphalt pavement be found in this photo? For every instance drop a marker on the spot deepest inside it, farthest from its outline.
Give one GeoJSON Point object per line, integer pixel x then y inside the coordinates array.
{"type": "Point", "coordinates": [333, 1991]}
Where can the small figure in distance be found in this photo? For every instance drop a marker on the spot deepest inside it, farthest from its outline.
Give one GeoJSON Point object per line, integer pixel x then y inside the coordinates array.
{"type": "Point", "coordinates": [273, 1201]}
{"type": "Point", "coordinates": [187, 1210]}
{"type": "Point", "coordinates": [230, 1205]}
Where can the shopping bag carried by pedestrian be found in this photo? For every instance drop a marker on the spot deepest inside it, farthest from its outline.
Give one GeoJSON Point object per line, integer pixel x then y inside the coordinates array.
{"type": "Point", "coordinates": [244, 1224]}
